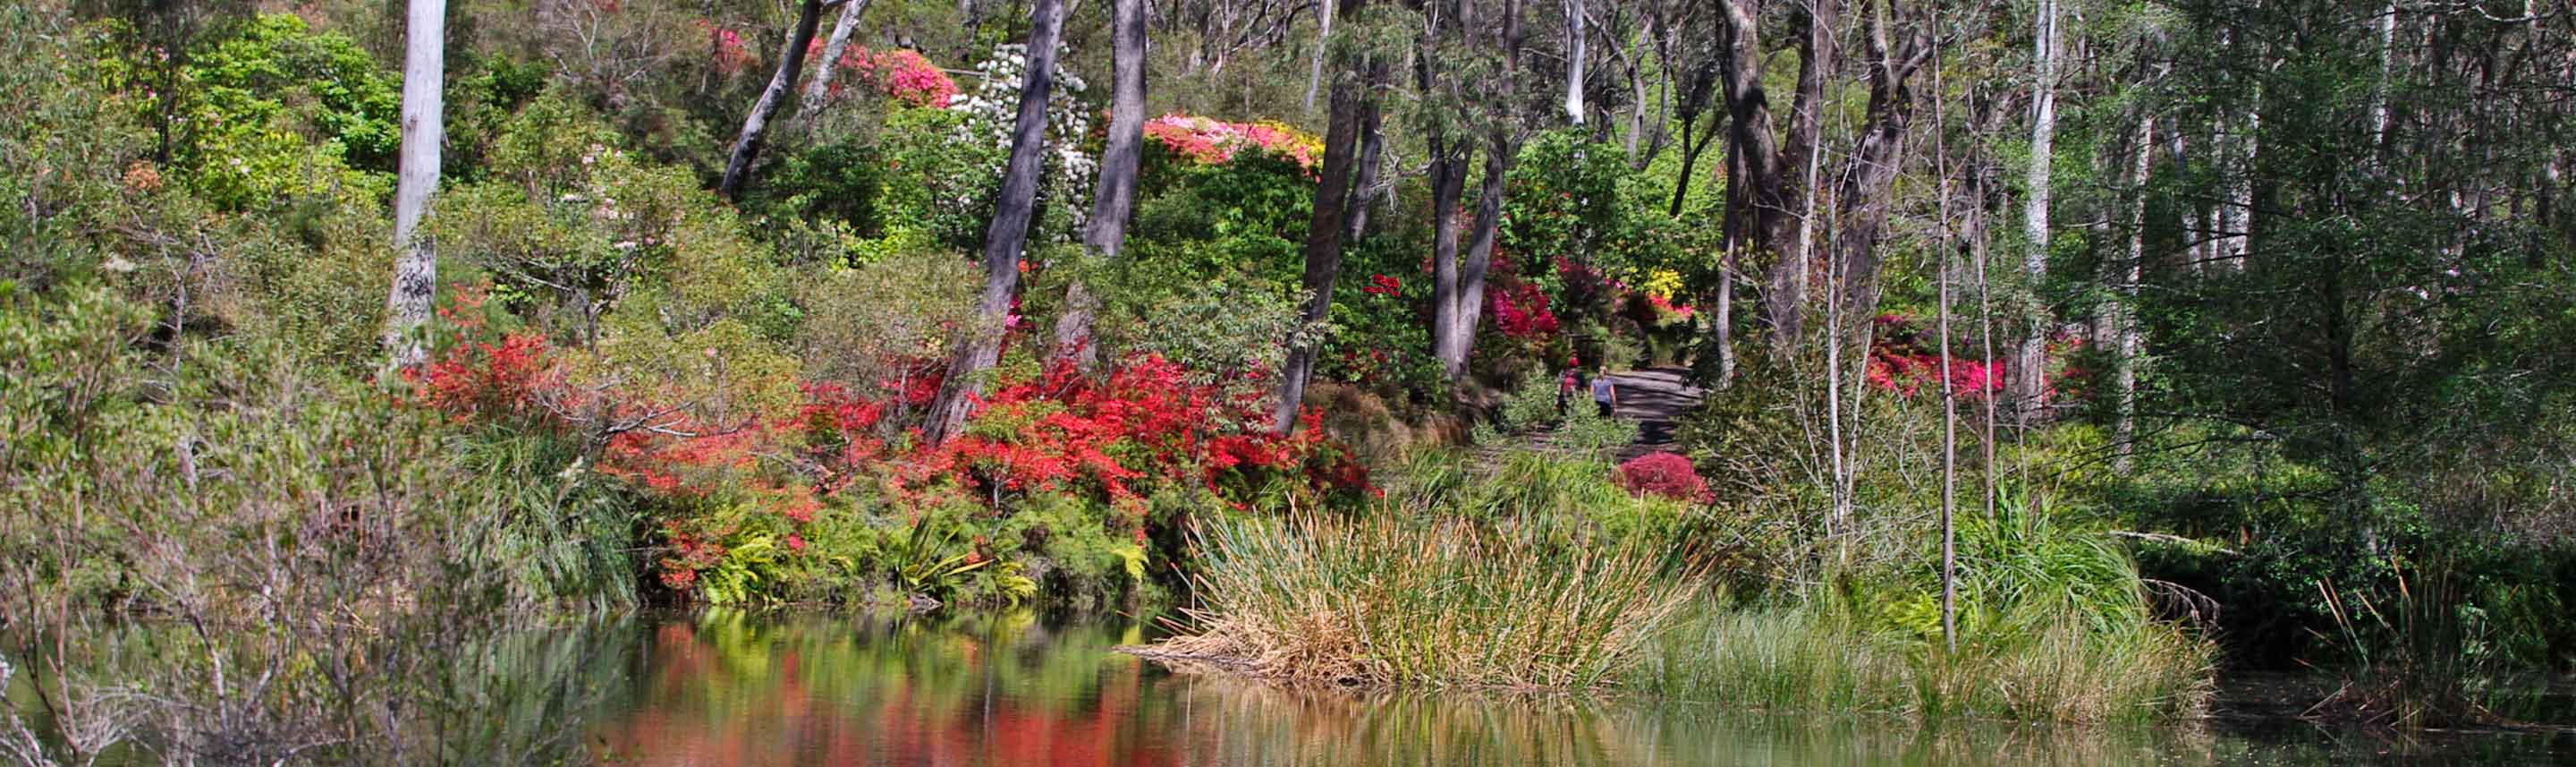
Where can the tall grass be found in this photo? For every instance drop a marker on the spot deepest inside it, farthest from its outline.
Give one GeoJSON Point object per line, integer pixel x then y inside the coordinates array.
{"type": "Point", "coordinates": [1387, 601]}
{"type": "Point", "coordinates": [2053, 626]}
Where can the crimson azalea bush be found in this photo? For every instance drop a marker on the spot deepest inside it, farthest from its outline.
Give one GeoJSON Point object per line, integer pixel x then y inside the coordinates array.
{"type": "Point", "coordinates": [1666, 475]}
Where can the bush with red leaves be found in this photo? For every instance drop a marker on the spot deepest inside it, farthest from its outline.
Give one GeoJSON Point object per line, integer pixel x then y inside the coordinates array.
{"type": "Point", "coordinates": [1665, 475]}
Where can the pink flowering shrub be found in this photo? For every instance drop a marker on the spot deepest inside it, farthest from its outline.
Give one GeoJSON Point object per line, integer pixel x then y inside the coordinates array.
{"type": "Point", "coordinates": [726, 51]}
{"type": "Point", "coordinates": [902, 74]}
{"type": "Point", "coordinates": [1665, 475]}
{"type": "Point", "coordinates": [1210, 141]}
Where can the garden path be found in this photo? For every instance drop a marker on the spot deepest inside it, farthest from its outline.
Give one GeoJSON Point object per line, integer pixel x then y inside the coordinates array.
{"type": "Point", "coordinates": [1653, 397]}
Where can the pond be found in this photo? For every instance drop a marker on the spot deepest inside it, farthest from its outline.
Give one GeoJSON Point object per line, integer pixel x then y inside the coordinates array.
{"type": "Point", "coordinates": [715, 687]}
{"type": "Point", "coordinates": [720, 688]}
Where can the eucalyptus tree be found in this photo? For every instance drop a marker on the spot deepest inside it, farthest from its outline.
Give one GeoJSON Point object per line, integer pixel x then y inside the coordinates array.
{"type": "Point", "coordinates": [407, 304]}
{"type": "Point", "coordinates": [1115, 199]}
{"type": "Point", "coordinates": [1013, 209]}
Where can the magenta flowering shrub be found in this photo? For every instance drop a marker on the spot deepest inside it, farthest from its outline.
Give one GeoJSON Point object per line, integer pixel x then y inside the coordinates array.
{"type": "Point", "coordinates": [1664, 475]}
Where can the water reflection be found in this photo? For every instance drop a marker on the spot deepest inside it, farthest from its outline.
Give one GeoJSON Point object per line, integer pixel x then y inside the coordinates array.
{"type": "Point", "coordinates": [736, 689]}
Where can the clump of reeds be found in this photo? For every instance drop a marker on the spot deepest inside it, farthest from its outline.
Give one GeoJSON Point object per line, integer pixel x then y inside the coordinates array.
{"type": "Point", "coordinates": [1404, 601]}
{"type": "Point", "coordinates": [1817, 655]}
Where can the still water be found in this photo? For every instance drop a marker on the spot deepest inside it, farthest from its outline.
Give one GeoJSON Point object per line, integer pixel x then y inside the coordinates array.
{"type": "Point", "coordinates": [729, 688]}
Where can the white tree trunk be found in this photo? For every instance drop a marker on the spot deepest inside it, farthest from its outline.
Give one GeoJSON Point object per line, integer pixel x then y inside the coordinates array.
{"type": "Point", "coordinates": [407, 305]}
{"type": "Point", "coordinates": [2030, 365]}
{"type": "Point", "coordinates": [2124, 319]}
{"type": "Point", "coordinates": [1114, 199]}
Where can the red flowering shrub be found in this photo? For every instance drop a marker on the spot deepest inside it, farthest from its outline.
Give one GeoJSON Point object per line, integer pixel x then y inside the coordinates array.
{"type": "Point", "coordinates": [1900, 362]}
{"type": "Point", "coordinates": [1520, 311]}
{"type": "Point", "coordinates": [738, 499]}
{"type": "Point", "coordinates": [903, 75]}
{"type": "Point", "coordinates": [1664, 475]}
{"type": "Point", "coordinates": [1145, 425]}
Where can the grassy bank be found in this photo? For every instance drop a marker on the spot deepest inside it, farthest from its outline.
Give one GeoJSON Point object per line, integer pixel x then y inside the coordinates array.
{"type": "Point", "coordinates": [1815, 654]}
{"type": "Point", "coordinates": [1536, 572]}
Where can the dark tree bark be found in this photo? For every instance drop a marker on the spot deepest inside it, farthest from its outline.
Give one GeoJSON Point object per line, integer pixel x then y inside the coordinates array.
{"type": "Point", "coordinates": [1448, 187]}
{"type": "Point", "coordinates": [1480, 244]}
{"type": "Point", "coordinates": [1324, 237]}
{"type": "Point", "coordinates": [1003, 242]}
{"type": "Point", "coordinates": [1874, 164]}
{"type": "Point", "coordinates": [1115, 200]}
{"type": "Point", "coordinates": [755, 126]}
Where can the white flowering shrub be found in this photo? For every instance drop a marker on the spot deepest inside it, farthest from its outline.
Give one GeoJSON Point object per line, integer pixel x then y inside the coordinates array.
{"type": "Point", "coordinates": [993, 105]}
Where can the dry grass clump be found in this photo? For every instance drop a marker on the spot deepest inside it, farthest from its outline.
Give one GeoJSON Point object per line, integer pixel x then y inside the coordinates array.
{"type": "Point", "coordinates": [1391, 601]}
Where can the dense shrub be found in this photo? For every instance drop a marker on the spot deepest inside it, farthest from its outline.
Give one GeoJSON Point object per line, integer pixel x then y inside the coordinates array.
{"type": "Point", "coordinates": [1663, 474]}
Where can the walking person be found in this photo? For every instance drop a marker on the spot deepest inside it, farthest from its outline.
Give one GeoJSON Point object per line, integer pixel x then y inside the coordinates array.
{"type": "Point", "coordinates": [1566, 385]}
{"type": "Point", "coordinates": [1604, 395]}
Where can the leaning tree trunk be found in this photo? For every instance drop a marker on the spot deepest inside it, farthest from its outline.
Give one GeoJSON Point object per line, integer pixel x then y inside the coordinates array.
{"type": "Point", "coordinates": [1012, 211]}
{"type": "Point", "coordinates": [755, 126]}
{"type": "Point", "coordinates": [821, 87]}
{"type": "Point", "coordinates": [1324, 233]}
{"type": "Point", "coordinates": [407, 305]}
{"type": "Point", "coordinates": [1480, 244]}
{"type": "Point", "coordinates": [1115, 199]}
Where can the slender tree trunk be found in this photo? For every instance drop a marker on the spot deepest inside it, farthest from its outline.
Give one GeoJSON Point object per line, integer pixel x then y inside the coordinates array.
{"type": "Point", "coordinates": [407, 305]}
{"type": "Point", "coordinates": [1480, 244]}
{"type": "Point", "coordinates": [821, 87]}
{"type": "Point", "coordinates": [1574, 34]}
{"type": "Point", "coordinates": [1364, 174]}
{"type": "Point", "coordinates": [755, 126]}
{"type": "Point", "coordinates": [1012, 211]}
{"type": "Point", "coordinates": [1324, 236]}
{"type": "Point", "coordinates": [2124, 372]}
{"type": "Point", "coordinates": [1448, 188]}
{"type": "Point", "coordinates": [2030, 381]}
{"type": "Point", "coordinates": [1115, 200]}
{"type": "Point", "coordinates": [1315, 61]}
{"type": "Point", "coordinates": [1949, 389]}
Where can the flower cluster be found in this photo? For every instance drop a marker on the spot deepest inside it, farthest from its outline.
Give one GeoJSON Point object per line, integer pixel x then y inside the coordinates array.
{"type": "Point", "coordinates": [994, 106]}
{"type": "Point", "coordinates": [1666, 475]}
{"type": "Point", "coordinates": [1521, 312]}
{"type": "Point", "coordinates": [1209, 141]}
{"type": "Point", "coordinates": [1382, 285]}
{"type": "Point", "coordinates": [902, 74]}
